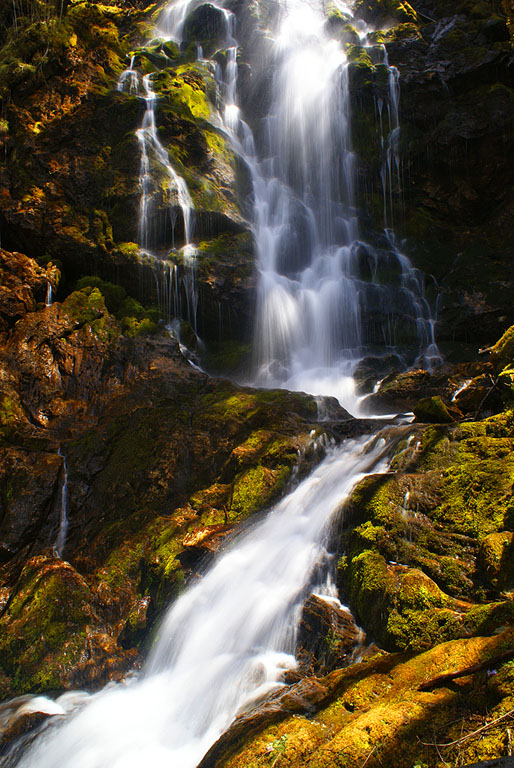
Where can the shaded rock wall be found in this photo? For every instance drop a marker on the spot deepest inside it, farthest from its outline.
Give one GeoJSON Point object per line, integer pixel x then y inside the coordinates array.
{"type": "Point", "coordinates": [454, 204]}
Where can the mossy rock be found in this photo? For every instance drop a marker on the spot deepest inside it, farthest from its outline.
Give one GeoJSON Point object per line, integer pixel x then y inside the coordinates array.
{"type": "Point", "coordinates": [433, 410]}
{"type": "Point", "coordinates": [45, 626]}
{"type": "Point", "coordinates": [256, 488]}
{"type": "Point", "coordinates": [87, 307]}
{"type": "Point", "coordinates": [113, 294]}
{"type": "Point", "coordinates": [374, 712]}
{"type": "Point", "coordinates": [502, 353]}
{"type": "Point", "coordinates": [495, 558]}
{"type": "Point", "coordinates": [205, 25]}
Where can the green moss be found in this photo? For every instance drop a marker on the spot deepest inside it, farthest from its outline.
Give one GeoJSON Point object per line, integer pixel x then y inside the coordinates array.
{"type": "Point", "coordinates": [495, 558]}
{"type": "Point", "coordinates": [369, 582]}
{"type": "Point", "coordinates": [417, 630]}
{"type": "Point", "coordinates": [432, 410]}
{"type": "Point", "coordinates": [131, 327]}
{"type": "Point", "coordinates": [11, 414]}
{"type": "Point", "coordinates": [50, 606]}
{"type": "Point", "coordinates": [186, 89]}
{"type": "Point", "coordinates": [478, 487]}
{"type": "Point", "coordinates": [87, 306]}
{"type": "Point", "coordinates": [417, 591]}
{"type": "Point", "coordinates": [113, 294]}
{"type": "Point", "coordinates": [256, 488]}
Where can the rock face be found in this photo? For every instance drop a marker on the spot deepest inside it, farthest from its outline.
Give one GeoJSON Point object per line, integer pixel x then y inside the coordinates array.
{"type": "Point", "coordinates": [454, 204]}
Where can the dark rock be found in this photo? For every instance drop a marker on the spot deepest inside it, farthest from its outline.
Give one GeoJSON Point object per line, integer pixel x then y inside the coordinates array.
{"type": "Point", "coordinates": [328, 637]}
{"type": "Point", "coordinates": [207, 26]}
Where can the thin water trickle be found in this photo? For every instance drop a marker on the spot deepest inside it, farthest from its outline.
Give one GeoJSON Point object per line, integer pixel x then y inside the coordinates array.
{"type": "Point", "coordinates": [60, 541]}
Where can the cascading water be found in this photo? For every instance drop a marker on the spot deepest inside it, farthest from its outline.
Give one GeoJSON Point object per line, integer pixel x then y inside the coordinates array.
{"type": "Point", "coordinates": [319, 284]}
{"type": "Point", "coordinates": [155, 163]}
{"type": "Point", "coordinates": [226, 642]}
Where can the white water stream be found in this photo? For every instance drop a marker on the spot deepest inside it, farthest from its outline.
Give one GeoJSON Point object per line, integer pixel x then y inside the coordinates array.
{"type": "Point", "coordinates": [157, 173]}
{"type": "Point", "coordinates": [226, 642]}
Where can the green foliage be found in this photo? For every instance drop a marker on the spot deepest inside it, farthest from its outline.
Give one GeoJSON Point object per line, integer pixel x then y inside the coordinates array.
{"type": "Point", "coordinates": [113, 294]}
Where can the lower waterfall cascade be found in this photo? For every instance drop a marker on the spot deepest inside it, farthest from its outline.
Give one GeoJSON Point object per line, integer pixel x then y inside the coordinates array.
{"type": "Point", "coordinates": [227, 641]}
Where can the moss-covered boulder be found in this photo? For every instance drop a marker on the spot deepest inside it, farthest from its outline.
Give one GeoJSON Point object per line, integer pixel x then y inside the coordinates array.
{"type": "Point", "coordinates": [435, 411]}
{"type": "Point", "coordinates": [48, 641]}
{"type": "Point", "coordinates": [384, 711]}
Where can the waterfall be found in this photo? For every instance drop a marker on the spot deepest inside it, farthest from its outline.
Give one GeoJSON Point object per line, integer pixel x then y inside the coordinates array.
{"type": "Point", "coordinates": [63, 516]}
{"type": "Point", "coordinates": [228, 639]}
{"type": "Point", "coordinates": [155, 162]}
{"type": "Point", "coordinates": [314, 300]}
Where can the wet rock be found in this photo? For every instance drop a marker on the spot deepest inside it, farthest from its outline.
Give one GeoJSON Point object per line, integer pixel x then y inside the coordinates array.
{"type": "Point", "coordinates": [480, 395]}
{"type": "Point", "coordinates": [22, 283]}
{"type": "Point", "coordinates": [328, 637]}
{"type": "Point", "coordinates": [449, 65]}
{"type": "Point", "coordinates": [30, 484]}
{"type": "Point", "coordinates": [399, 391]}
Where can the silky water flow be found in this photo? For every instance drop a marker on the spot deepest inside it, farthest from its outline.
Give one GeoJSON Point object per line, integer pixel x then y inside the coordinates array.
{"type": "Point", "coordinates": [229, 639]}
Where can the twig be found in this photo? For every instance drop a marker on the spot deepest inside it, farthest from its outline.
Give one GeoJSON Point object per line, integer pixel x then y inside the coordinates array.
{"type": "Point", "coordinates": [368, 757]}
{"type": "Point", "coordinates": [510, 713]}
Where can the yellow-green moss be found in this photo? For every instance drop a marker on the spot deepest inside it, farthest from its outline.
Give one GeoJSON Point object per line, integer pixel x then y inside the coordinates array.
{"type": "Point", "coordinates": [44, 628]}
{"type": "Point", "coordinates": [256, 488]}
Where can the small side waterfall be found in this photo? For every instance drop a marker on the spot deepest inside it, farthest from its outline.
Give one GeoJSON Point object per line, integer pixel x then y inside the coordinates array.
{"type": "Point", "coordinates": [227, 641]}
{"type": "Point", "coordinates": [63, 516]}
{"type": "Point", "coordinates": [157, 173]}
